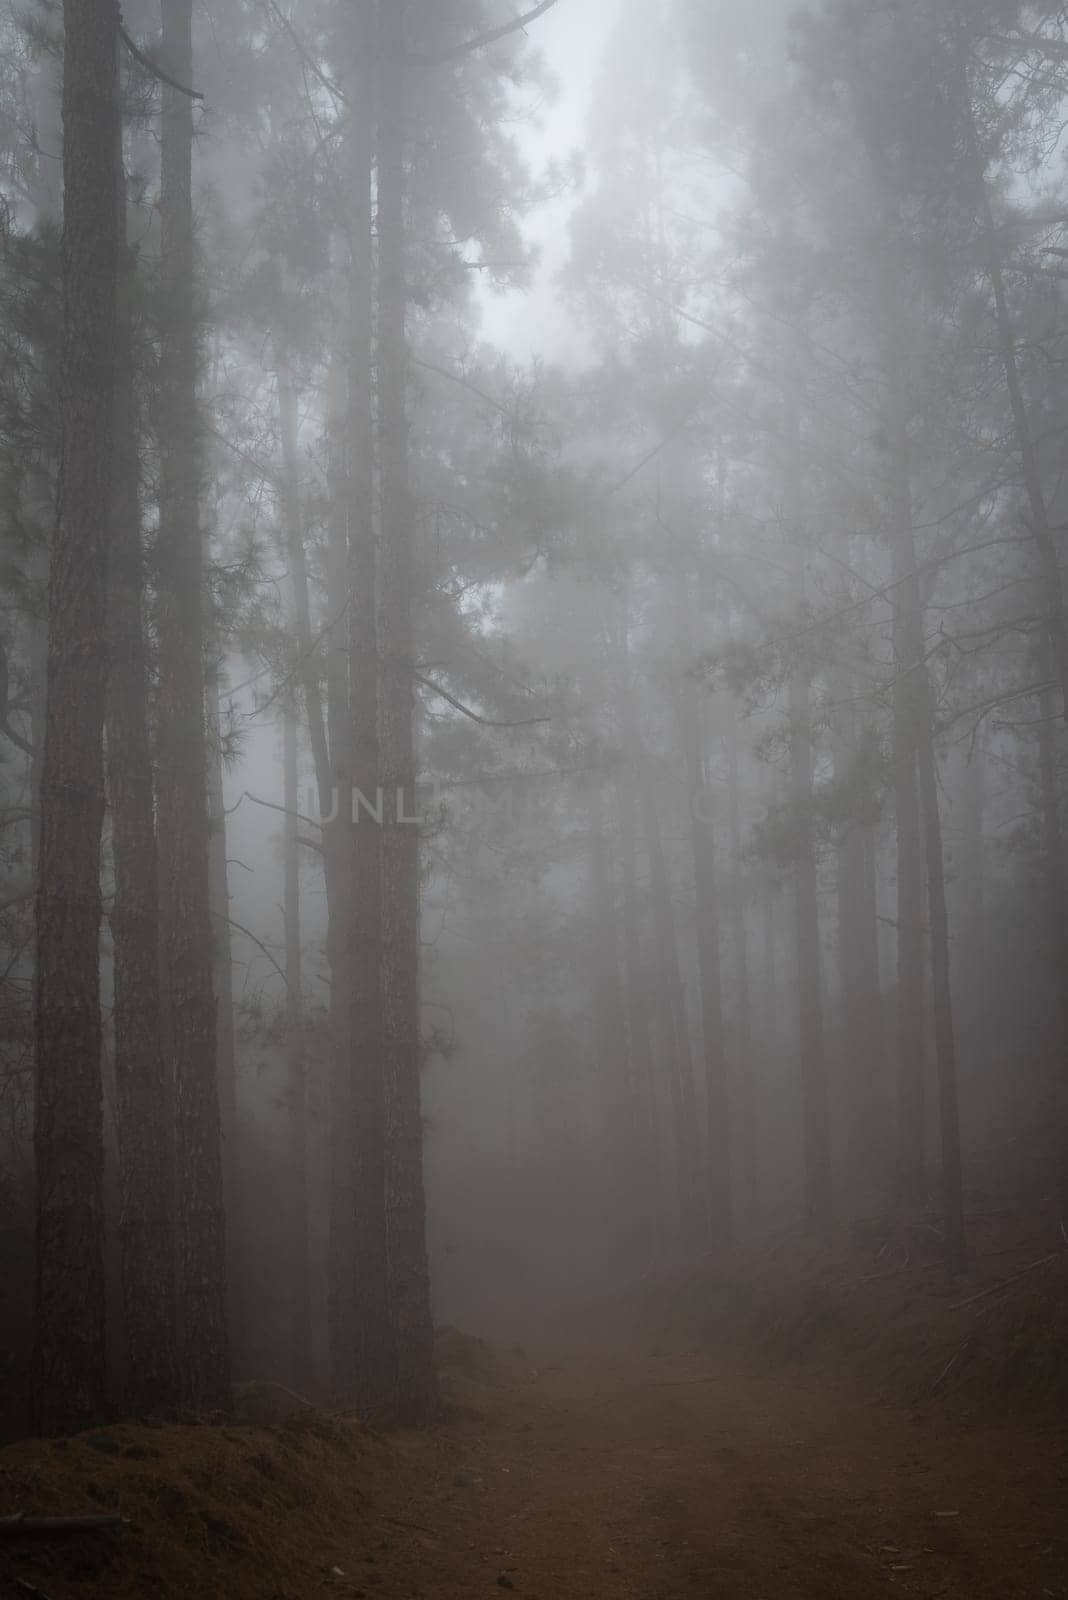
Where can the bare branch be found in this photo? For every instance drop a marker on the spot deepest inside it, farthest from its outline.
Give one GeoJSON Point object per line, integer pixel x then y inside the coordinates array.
{"type": "Point", "coordinates": [484, 722]}
{"type": "Point", "coordinates": [481, 40]}
{"type": "Point", "coordinates": [270, 805]}
{"type": "Point", "coordinates": [154, 71]}
{"type": "Point", "coordinates": [248, 934]}
{"type": "Point", "coordinates": [305, 55]}
{"type": "Point", "coordinates": [464, 383]}
{"type": "Point", "coordinates": [20, 1524]}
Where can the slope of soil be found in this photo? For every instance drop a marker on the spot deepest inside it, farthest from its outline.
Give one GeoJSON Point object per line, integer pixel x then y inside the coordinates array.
{"type": "Point", "coordinates": [563, 1478]}
{"type": "Point", "coordinates": [992, 1344]}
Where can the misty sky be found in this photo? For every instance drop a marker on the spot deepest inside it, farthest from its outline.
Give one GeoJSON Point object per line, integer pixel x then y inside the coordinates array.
{"type": "Point", "coordinates": [572, 36]}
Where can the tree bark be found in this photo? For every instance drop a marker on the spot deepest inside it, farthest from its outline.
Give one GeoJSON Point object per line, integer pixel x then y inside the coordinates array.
{"type": "Point", "coordinates": [673, 1004]}
{"type": "Point", "coordinates": [68, 1355]}
{"type": "Point", "coordinates": [296, 1089]}
{"type": "Point", "coordinates": [913, 683]}
{"type": "Point", "coordinates": [226, 1042]}
{"type": "Point", "coordinates": [815, 1112]}
{"type": "Point", "coordinates": [638, 1003]}
{"type": "Point", "coordinates": [861, 1000]}
{"type": "Point", "coordinates": [416, 1397]}
{"type": "Point", "coordinates": [1057, 891]}
{"type": "Point", "coordinates": [376, 1354]}
{"type": "Point", "coordinates": [144, 1099]}
{"type": "Point", "coordinates": [204, 1352]}
{"type": "Point", "coordinates": [706, 893]}
{"type": "Point", "coordinates": [612, 1060]}
{"type": "Point", "coordinates": [747, 1099]}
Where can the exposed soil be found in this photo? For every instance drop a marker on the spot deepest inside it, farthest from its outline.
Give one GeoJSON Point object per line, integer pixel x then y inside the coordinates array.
{"type": "Point", "coordinates": [566, 1476]}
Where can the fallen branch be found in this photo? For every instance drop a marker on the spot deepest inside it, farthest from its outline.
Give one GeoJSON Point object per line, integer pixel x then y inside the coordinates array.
{"type": "Point", "coordinates": [20, 1523]}
{"type": "Point", "coordinates": [1005, 1283]}
{"type": "Point", "coordinates": [280, 1388]}
{"type": "Point", "coordinates": [22, 1587]}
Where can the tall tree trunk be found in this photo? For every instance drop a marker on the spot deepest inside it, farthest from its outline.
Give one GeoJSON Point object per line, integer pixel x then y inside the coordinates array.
{"type": "Point", "coordinates": [416, 1398]}
{"type": "Point", "coordinates": [296, 1087]}
{"type": "Point", "coordinates": [814, 1103]}
{"type": "Point", "coordinates": [144, 1102]}
{"type": "Point", "coordinates": [703, 848]}
{"type": "Point", "coordinates": [743, 1001]}
{"type": "Point", "coordinates": [911, 997]}
{"type": "Point", "coordinates": [614, 1085]}
{"type": "Point", "coordinates": [815, 1110]}
{"type": "Point", "coordinates": [68, 1355]}
{"type": "Point", "coordinates": [1057, 890]}
{"type": "Point", "coordinates": [226, 1041]}
{"type": "Point", "coordinates": [969, 912]}
{"type": "Point", "coordinates": [673, 1005]}
{"type": "Point", "coordinates": [913, 684]}
{"type": "Point", "coordinates": [204, 1351]}
{"type": "Point", "coordinates": [638, 1004]}
{"type": "Point", "coordinates": [376, 1355]}
{"type": "Point", "coordinates": [328, 736]}
{"type": "Point", "coordinates": [861, 1002]}
{"type": "Point", "coordinates": [343, 1300]}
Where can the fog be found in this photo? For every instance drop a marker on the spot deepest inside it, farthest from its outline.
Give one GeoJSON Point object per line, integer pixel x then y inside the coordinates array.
{"type": "Point", "coordinates": [534, 750]}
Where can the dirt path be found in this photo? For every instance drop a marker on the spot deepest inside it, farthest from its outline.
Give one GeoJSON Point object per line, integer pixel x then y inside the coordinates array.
{"type": "Point", "coordinates": [577, 1477]}
{"type": "Point", "coordinates": [665, 1479]}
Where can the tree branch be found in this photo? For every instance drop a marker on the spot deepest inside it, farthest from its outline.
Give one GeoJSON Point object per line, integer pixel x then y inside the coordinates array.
{"type": "Point", "coordinates": [271, 806]}
{"type": "Point", "coordinates": [305, 56]}
{"type": "Point", "coordinates": [481, 40]}
{"type": "Point", "coordinates": [16, 738]}
{"type": "Point", "coordinates": [248, 934]}
{"type": "Point", "coordinates": [464, 383]}
{"type": "Point", "coordinates": [154, 71]}
{"type": "Point", "coordinates": [484, 722]}
{"type": "Point", "coordinates": [20, 1524]}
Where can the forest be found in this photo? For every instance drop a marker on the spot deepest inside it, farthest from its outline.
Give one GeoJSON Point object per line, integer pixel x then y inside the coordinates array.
{"type": "Point", "coordinates": [533, 679]}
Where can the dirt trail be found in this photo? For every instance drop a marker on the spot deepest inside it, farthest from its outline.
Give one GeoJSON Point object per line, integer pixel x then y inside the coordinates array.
{"type": "Point", "coordinates": [664, 1479]}
{"type": "Point", "coordinates": [631, 1479]}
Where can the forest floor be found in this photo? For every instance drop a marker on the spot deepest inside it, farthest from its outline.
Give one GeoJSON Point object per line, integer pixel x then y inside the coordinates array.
{"type": "Point", "coordinates": [563, 1476]}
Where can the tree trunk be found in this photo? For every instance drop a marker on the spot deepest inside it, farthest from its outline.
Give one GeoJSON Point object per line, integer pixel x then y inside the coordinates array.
{"type": "Point", "coordinates": [416, 1398]}
{"type": "Point", "coordinates": [739, 938]}
{"type": "Point", "coordinates": [204, 1352]}
{"type": "Point", "coordinates": [814, 1105]}
{"type": "Point", "coordinates": [815, 1111]}
{"type": "Point", "coordinates": [613, 1066]}
{"type": "Point", "coordinates": [376, 1355]}
{"type": "Point", "coordinates": [911, 998]}
{"type": "Point", "coordinates": [328, 736]}
{"type": "Point", "coordinates": [673, 1004]}
{"type": "Point", "coordinates": [1057, 889]}
{"type": "Point", "coordinates": [638, 1003]}
{"type": "Point", "coordinates": [917, 718]}
{"type": "Point", "coordinates": [342, 1298]}
{"type": "Point", "coordinates": [68, 1355]}
{"type": "Point", "coordinates": [144, 1101]}
{"type": "Point", "coordinates": [861, 1001]}
{"type": "Point", "coordinates": [703, 848]}
{"type": "Point", "coordinates": [296, 1088]}
{"type": "Point", "coordinates": [226, 1042]}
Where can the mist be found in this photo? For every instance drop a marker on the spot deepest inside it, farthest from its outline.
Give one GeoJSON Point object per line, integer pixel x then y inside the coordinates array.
{"type": "Point", "coordinates": [533, 679]}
